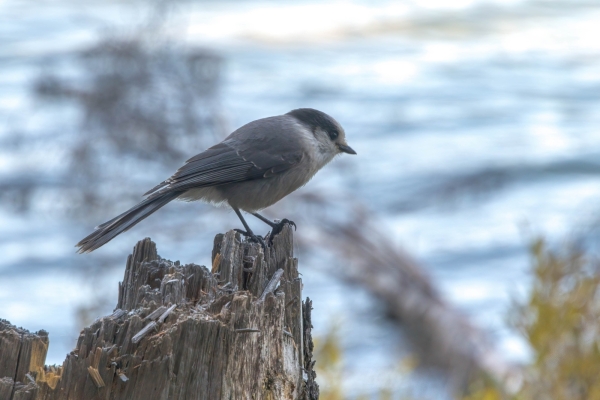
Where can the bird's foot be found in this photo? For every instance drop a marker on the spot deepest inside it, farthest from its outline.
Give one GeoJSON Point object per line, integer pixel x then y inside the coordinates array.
{"type": "Point", "coordinates": [278, 227]}
{"type": "Point", "coordinates": [253, 238]}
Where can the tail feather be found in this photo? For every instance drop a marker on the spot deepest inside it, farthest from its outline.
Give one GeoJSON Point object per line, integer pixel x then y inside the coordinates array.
{"type": "Point", "coordinates": [108, 230]}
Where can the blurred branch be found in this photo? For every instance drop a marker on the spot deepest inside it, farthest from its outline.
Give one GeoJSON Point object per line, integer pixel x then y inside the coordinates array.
{"type": "Point", "coordinates": [143, 103]}
{"type": "Point", "coordinates": [441, 337]}
{"type": "Point", "coordinates": [138, 99]}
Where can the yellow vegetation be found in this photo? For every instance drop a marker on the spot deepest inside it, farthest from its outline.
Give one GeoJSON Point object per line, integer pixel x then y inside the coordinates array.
{"type": "Point", "coordinates": [559, 319]}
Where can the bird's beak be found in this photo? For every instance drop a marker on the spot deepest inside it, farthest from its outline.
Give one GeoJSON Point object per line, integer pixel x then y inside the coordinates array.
{"type": "Point", "coordinates": [346, 149]}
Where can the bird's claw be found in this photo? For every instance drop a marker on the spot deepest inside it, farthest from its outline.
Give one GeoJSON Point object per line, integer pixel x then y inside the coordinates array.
{"type": "Point", "coordinates": [253, 238]}
{"type": "Point", "coordinates": [277, 228]}
{"type": "Point", "coordinates": [292, 223]}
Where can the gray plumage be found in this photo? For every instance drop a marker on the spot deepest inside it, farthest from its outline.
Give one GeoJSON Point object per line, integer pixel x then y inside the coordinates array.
{"type": "Point", "coordinates": [253, 168]}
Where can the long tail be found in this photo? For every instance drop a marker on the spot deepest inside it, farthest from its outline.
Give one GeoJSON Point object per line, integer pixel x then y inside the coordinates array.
{"type": "Point", "coordinates": [108, 230]}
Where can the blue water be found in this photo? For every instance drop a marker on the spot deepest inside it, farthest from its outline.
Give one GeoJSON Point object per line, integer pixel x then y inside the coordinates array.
{"type": "Point", "coordinates": [476, 128]}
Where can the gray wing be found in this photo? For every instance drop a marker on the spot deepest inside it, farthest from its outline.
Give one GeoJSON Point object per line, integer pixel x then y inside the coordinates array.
{"type": "Point", "coordinates": [256, 155]}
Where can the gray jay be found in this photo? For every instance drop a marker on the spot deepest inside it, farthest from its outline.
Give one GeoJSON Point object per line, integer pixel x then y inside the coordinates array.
{"type": "Point", "coordinates": [253, 168]}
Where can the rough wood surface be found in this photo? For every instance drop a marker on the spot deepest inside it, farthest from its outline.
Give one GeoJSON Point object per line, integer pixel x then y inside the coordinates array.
{"type": "Point", "coordinates": [21, 352]}
{"type": "Point", "coordinates": [182, 332]}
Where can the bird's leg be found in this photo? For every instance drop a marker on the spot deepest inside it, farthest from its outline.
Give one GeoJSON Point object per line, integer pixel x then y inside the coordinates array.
{"type": "Point", "coordinates": [277, 227]}
{"type": "Point", "coordinates": [248, 232]}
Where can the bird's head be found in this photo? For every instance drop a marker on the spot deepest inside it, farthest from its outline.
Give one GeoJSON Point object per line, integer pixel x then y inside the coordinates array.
{"type": "Point", "coordinates": [328, 132]}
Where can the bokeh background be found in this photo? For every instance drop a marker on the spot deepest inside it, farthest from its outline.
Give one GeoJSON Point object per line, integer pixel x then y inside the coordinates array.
{"type": "Point", "coordinates": [475, 121]}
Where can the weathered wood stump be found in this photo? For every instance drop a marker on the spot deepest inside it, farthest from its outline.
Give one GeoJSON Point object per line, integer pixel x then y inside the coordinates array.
{"type": "Point", "coordinates": [239, 331]}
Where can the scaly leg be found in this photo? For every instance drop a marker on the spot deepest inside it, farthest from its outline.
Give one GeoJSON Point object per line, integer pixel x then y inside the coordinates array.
{"type": "Point", "coordinates": [248, 232]}
{"type": "Point", "coordinates": [277, 227]}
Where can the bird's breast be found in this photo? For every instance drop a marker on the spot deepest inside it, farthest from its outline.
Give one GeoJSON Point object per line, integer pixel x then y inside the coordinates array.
{"type": "Point", "coordinates": [257, 194]}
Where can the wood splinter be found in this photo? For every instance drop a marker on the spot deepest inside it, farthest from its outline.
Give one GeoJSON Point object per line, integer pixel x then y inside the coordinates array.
{"type": "Point", "coordinates": [96, 378]}
{"type": "Point", "coordinates": [164, 315]}
{"type": "Point", "coordinates": [246, 330]}
{"type": "Point", "coordinates": [156, 313]}
{"type": "Point", "coordinates": [143, 332]}
{"type": "Point", "coordinates": [152, 325]}
{"type": "Point", "coordinates": [272, 285]}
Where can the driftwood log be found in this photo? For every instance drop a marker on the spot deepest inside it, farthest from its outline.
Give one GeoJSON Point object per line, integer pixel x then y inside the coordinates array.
{"type": "Point", "coordinates": [237, 331]}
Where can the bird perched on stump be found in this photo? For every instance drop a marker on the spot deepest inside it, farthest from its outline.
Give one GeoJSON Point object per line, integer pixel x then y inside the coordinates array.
{"type": "Point", "coordinates": [253, 168]}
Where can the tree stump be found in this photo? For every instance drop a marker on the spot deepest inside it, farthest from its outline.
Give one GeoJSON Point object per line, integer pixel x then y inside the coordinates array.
{"type": "Point", "coordinates": [237, 331]}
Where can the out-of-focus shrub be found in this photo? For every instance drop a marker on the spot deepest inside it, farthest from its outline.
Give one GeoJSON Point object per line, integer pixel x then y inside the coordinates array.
{"type": "Point", "coordinates": [329, 366]}
{"type": "Point", "coordinates": [560, 320]}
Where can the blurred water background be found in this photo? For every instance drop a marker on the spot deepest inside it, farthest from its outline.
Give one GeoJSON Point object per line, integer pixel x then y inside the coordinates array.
{"type": "Point", "coordinates": [475, 123]}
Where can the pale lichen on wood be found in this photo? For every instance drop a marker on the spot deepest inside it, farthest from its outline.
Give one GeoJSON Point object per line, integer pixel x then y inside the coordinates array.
{"type": "Point", "coordinates": [182, 332]}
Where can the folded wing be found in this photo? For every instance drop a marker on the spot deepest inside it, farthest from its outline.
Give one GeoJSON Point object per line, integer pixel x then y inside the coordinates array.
{"type": "Point", "coordinates": [223, 164]}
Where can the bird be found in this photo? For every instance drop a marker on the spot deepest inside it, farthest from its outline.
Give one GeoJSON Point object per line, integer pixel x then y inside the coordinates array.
{"type": "Point", "coordinates": [251, 169]}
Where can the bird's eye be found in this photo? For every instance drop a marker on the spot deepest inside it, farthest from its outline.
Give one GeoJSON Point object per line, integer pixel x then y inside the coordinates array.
{"type": "Point", "coordinates": [333, 135]}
